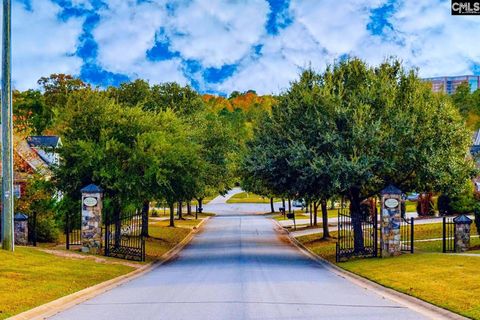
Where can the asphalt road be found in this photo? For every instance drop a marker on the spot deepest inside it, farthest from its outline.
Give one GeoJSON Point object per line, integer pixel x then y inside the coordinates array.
{"type": "Point", "coordinates": [239, 267]}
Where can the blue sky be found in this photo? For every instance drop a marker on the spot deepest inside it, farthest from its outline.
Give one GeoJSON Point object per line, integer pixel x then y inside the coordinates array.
{"type": "Point", "coordinates": [219, 46]}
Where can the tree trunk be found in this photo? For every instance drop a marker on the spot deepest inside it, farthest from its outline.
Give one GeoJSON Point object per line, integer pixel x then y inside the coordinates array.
{"type": "Point", "coordinates": [180, 213]}
{"type": "Point", "coordinates": [283, 203]}
{"type": "Point", "coordinates": [307, 205]}
{"type": "Point", "coordinates": [326, 232]}
{"type": "Point", "coordinates": [289, 205]}
{"type": "Point", "coordinates": [145, 209]}
{"type": "Point", "coordinates": [272, 209]}
{"type": "Point", "coordinates": [315, 213]}
{"type": "Point", "coordinates": [200, 205]}
{"type": "Point", "coordinates": [356, 216]}
{"type": "Point", "coordinates": [189, 208]}
{"type": "Point", "coordinates": [172, 214]}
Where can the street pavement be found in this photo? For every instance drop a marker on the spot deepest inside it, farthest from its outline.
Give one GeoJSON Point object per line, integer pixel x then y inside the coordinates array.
{"type": "Point", "coordinates": [240, 267]}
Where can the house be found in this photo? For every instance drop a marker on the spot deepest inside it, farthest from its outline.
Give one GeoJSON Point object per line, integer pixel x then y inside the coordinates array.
{"type": "Point", "coordinates": [36, 154]}
{"type": "Point", "coordinates": [475, 152]}
{"type": "Point", "coordinates": [46, 147]}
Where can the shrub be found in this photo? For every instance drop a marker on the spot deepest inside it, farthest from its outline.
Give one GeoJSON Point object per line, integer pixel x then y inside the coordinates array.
{"type": "Point", "coordinates": [444, 205]}
{"type": "Point", "coordinates": [47, 229]}
{"type": "Point", "coordinates": [463, 204]}
{"type": "Point", "coordinates": [39, 198]}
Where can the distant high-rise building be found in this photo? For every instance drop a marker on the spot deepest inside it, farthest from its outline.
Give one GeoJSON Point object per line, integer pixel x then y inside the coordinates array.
{"type": "Point", "coordinates": [450, 84]}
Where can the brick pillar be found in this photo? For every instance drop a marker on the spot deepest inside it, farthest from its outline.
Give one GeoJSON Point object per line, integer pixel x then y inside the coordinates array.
{"type": "Point", "coordinates": [92, 218]}
{"type": "Point", "coordinates": [20, 227]}
{"type": "Point", "coordinates": [391, 215]}
{"type": "Point", "coordinates": [462, 233]}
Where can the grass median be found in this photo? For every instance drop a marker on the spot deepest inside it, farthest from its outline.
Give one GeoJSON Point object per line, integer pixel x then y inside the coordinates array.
{"type": "Point", "coordinates": [248, 197]}
{"type": "Point", "coordinates": [446, 280]}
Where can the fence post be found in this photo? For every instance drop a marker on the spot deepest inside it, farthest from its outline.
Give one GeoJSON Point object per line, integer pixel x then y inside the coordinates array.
{"type": "Point", "coordinates": [107, 234]}
{"type": "Point", "coordinates": [35, 228]}
{"type": "Point", "coordinates": [444, 233]}
{"type": "Point", "coordinates": [67, 230]}
{"type": "Point", "coordinates": [375, 227]}
{"type": "Point", "coordinates": [412, 230]}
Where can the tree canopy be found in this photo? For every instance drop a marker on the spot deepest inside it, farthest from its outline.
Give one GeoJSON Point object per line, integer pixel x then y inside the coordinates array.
{"type": "Point", "coordinates": [354, 129]}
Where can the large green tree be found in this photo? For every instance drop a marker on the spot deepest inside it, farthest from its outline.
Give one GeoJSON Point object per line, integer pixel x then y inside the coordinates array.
{"type": "Point", "coordinates": [355, 129]}
{"type": "Point", "coordinates": [133, 154]}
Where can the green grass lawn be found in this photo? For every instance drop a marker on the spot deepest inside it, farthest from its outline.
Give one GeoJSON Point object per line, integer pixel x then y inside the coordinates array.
{"type": "Point", "coordinates": [29, 278]}
{"type": "Point", "coordinates": [447, 280]}
{"type": "Point", "coordinates": [248, 197]}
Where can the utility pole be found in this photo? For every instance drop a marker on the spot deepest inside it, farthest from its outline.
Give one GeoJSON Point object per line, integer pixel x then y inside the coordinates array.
{"type": "Point", "coordinates": [7, 132]}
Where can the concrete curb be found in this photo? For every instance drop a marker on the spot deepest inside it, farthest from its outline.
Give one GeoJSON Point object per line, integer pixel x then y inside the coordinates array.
{"type": "Point", "coordinates": [53, 307]}
{"type": "Point", "coordinates": [428, 310]}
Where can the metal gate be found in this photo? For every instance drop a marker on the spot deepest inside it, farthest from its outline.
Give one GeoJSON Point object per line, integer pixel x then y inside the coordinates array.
{"type": "Point", "coordinates": [367, 225]}
{"type": "Point", "coordinates": [448, 235]}
{"type": "Point", "coordinates": [73, 230]}
{"type": "Point", "coordinates": [123, 236]}
{"type": "Point", "coordinates": [407, 227]}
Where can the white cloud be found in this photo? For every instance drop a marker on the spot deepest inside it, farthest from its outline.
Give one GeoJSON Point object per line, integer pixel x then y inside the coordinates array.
{"type": "Point", "coordinates": [282, 59]}
{"type": "Point", "coordinates": [42, 44]}
{"type": "Point", "coordinates": [424, 35]}
{"type": "Point", "coordinates": [127, 30]}
{"type": "Point", "coordinates": [433, 40]}
{"type": "Point", "coordinates": [217, 32]}
{"type": "Point", "coordinates": [337, 26]}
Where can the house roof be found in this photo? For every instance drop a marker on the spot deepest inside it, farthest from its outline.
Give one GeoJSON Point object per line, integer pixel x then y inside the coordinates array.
{"type": "Point", "coordinates": [44, 141]}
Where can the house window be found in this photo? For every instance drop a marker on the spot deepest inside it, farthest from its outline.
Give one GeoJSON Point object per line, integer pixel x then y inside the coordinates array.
{"type": "Point", "coordinates": [17, 190]}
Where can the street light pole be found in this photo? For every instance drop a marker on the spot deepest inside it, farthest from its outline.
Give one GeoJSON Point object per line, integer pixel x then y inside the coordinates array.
{"type": "Point", "coordinates": [7, 132]}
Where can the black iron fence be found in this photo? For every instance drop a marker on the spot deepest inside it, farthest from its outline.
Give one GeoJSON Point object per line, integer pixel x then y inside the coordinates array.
{"type": "Point", "coordinates": [448, 235]}
{"type": "Point", "coordinates": [73, 230]}
{"type": "Point", "coordinates": [407, 228]}
{"type": "Point", "coordinates": [123, 236]}
{"type": "Point", "coordinates": [357, 236]}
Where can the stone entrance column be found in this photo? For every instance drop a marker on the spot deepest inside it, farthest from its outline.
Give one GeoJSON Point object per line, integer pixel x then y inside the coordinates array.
{"type": "Point", "coordinates": [462, 233]}
{"type": "Point", "coordinates": [391, 215]}
{"type": "Point", "coordinates": [21, 229]}
{"type": "Point", "coordinates": [91, 218]}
